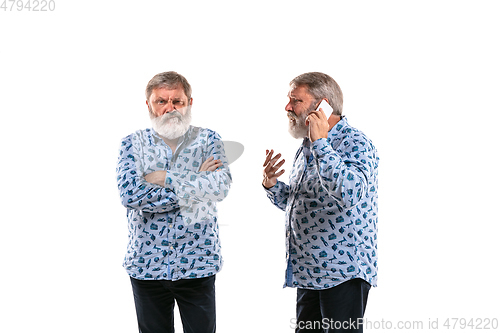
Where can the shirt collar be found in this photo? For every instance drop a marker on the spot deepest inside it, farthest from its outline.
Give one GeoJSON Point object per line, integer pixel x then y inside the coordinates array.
{"type": "Point", "coordinates": [337, 128]}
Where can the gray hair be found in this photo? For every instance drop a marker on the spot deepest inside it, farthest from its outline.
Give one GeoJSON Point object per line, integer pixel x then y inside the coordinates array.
{"type": "Point", "coordinates": [169, 80]}
{"type": "Point", "coordinates": [321, 86]}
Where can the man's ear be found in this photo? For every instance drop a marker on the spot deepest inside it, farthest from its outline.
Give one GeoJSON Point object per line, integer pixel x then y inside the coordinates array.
{"type": "Point", "coordinates": [191, 101]}
{"type": "Point", "coordinates": [150, 110]}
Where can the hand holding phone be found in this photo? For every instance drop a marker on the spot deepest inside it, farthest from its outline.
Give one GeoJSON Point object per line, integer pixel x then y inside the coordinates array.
{"type": "Point", "coordinates": [319, 127]}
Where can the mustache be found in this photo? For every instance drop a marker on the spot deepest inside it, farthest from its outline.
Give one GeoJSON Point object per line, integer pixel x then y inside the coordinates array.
{"type": "Point", "coordinates": [292, 114]}
{"type": "Point", "coordinates": [167, 118]}
{"type": "Point", "coordinates": [173, 114]}
{"type": "Point", "coordinates": [170, 115]}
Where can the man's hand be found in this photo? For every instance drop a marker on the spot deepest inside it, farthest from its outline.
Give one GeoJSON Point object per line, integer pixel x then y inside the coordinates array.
{"type": "Point", "coordinates": [270, 168]}
{"type": "Point", "coordinates": [210, 164]}
{"type": "Point", "coordinates": [318, 125]}
{"type": "Point", "coordinates": [156, 177]}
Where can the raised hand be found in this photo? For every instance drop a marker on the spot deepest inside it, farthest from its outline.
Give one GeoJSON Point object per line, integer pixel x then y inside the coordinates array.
{"type": "Point", "coordinates": [271, 169]}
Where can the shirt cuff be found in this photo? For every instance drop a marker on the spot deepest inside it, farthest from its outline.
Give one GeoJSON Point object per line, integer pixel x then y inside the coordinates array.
{"type": "Point", "coordinates": [272, 190]}
{"type": "Point", "coordinates": [267, 189]}
{"type": "Point", "coordinates": [321, 147]}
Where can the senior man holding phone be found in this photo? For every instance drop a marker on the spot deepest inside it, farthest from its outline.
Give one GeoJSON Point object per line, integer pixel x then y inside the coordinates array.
{"type": "Point", "coordinates": [330, 206]}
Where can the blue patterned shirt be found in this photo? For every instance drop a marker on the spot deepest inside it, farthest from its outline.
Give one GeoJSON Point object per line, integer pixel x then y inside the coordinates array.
{"type": "Point", "coordinates": [173, 229]}
{"type": "Point", "coordinates": [331, 210]}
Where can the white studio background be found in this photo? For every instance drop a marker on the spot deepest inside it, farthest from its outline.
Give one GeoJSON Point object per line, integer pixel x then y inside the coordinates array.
{"type": "Point", "coordinates": [420, 78]}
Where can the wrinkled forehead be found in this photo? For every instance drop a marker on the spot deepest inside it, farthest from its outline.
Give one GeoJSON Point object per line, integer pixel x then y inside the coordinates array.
{"type": "Point", "coordinates": [299, 91]}
{"type": "Point", "coordinates": [168, 92]}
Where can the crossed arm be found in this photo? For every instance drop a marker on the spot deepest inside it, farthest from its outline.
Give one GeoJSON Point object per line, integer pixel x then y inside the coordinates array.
{"type": "Point", "coordinates": [160, 191]}
{"type": "Point", "coordinates": [135, 192]}
{"type": "Point", "coordinates": [158, 177]}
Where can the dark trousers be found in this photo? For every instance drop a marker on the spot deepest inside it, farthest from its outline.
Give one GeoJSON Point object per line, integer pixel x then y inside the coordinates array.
{"type": "Point", "coordinates": [154, 304]}
{"type": "Point", "coordinates": [332, 310]}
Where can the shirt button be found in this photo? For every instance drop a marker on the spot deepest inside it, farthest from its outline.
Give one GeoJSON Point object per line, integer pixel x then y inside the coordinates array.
{"type": "Point", "coordinates": [170, 226]}
{"type": "Point", "coordinates": [171, 248]}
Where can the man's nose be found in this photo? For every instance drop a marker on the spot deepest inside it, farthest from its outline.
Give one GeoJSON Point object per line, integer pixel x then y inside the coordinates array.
{"type": "Point", "coordinates": [288, 107]}
{"type": "Point", "coordinates": [169, 107]}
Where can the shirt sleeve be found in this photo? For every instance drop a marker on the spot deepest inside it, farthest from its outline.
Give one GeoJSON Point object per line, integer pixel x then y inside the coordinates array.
{"type": "Point", "coordinates": [345, 174]}
{"type": "Point", "coordinates": [135, 192]}
{"type": "Point", "coordinates": [278, 194]}
{"type": "Point", "coordinates": [204, 186]}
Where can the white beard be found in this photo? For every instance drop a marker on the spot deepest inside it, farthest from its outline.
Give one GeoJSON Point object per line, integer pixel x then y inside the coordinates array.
{"type": "Point", "coordinates": [172, 125]}
{"type": "Point", "coordinates": [297, 125]}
